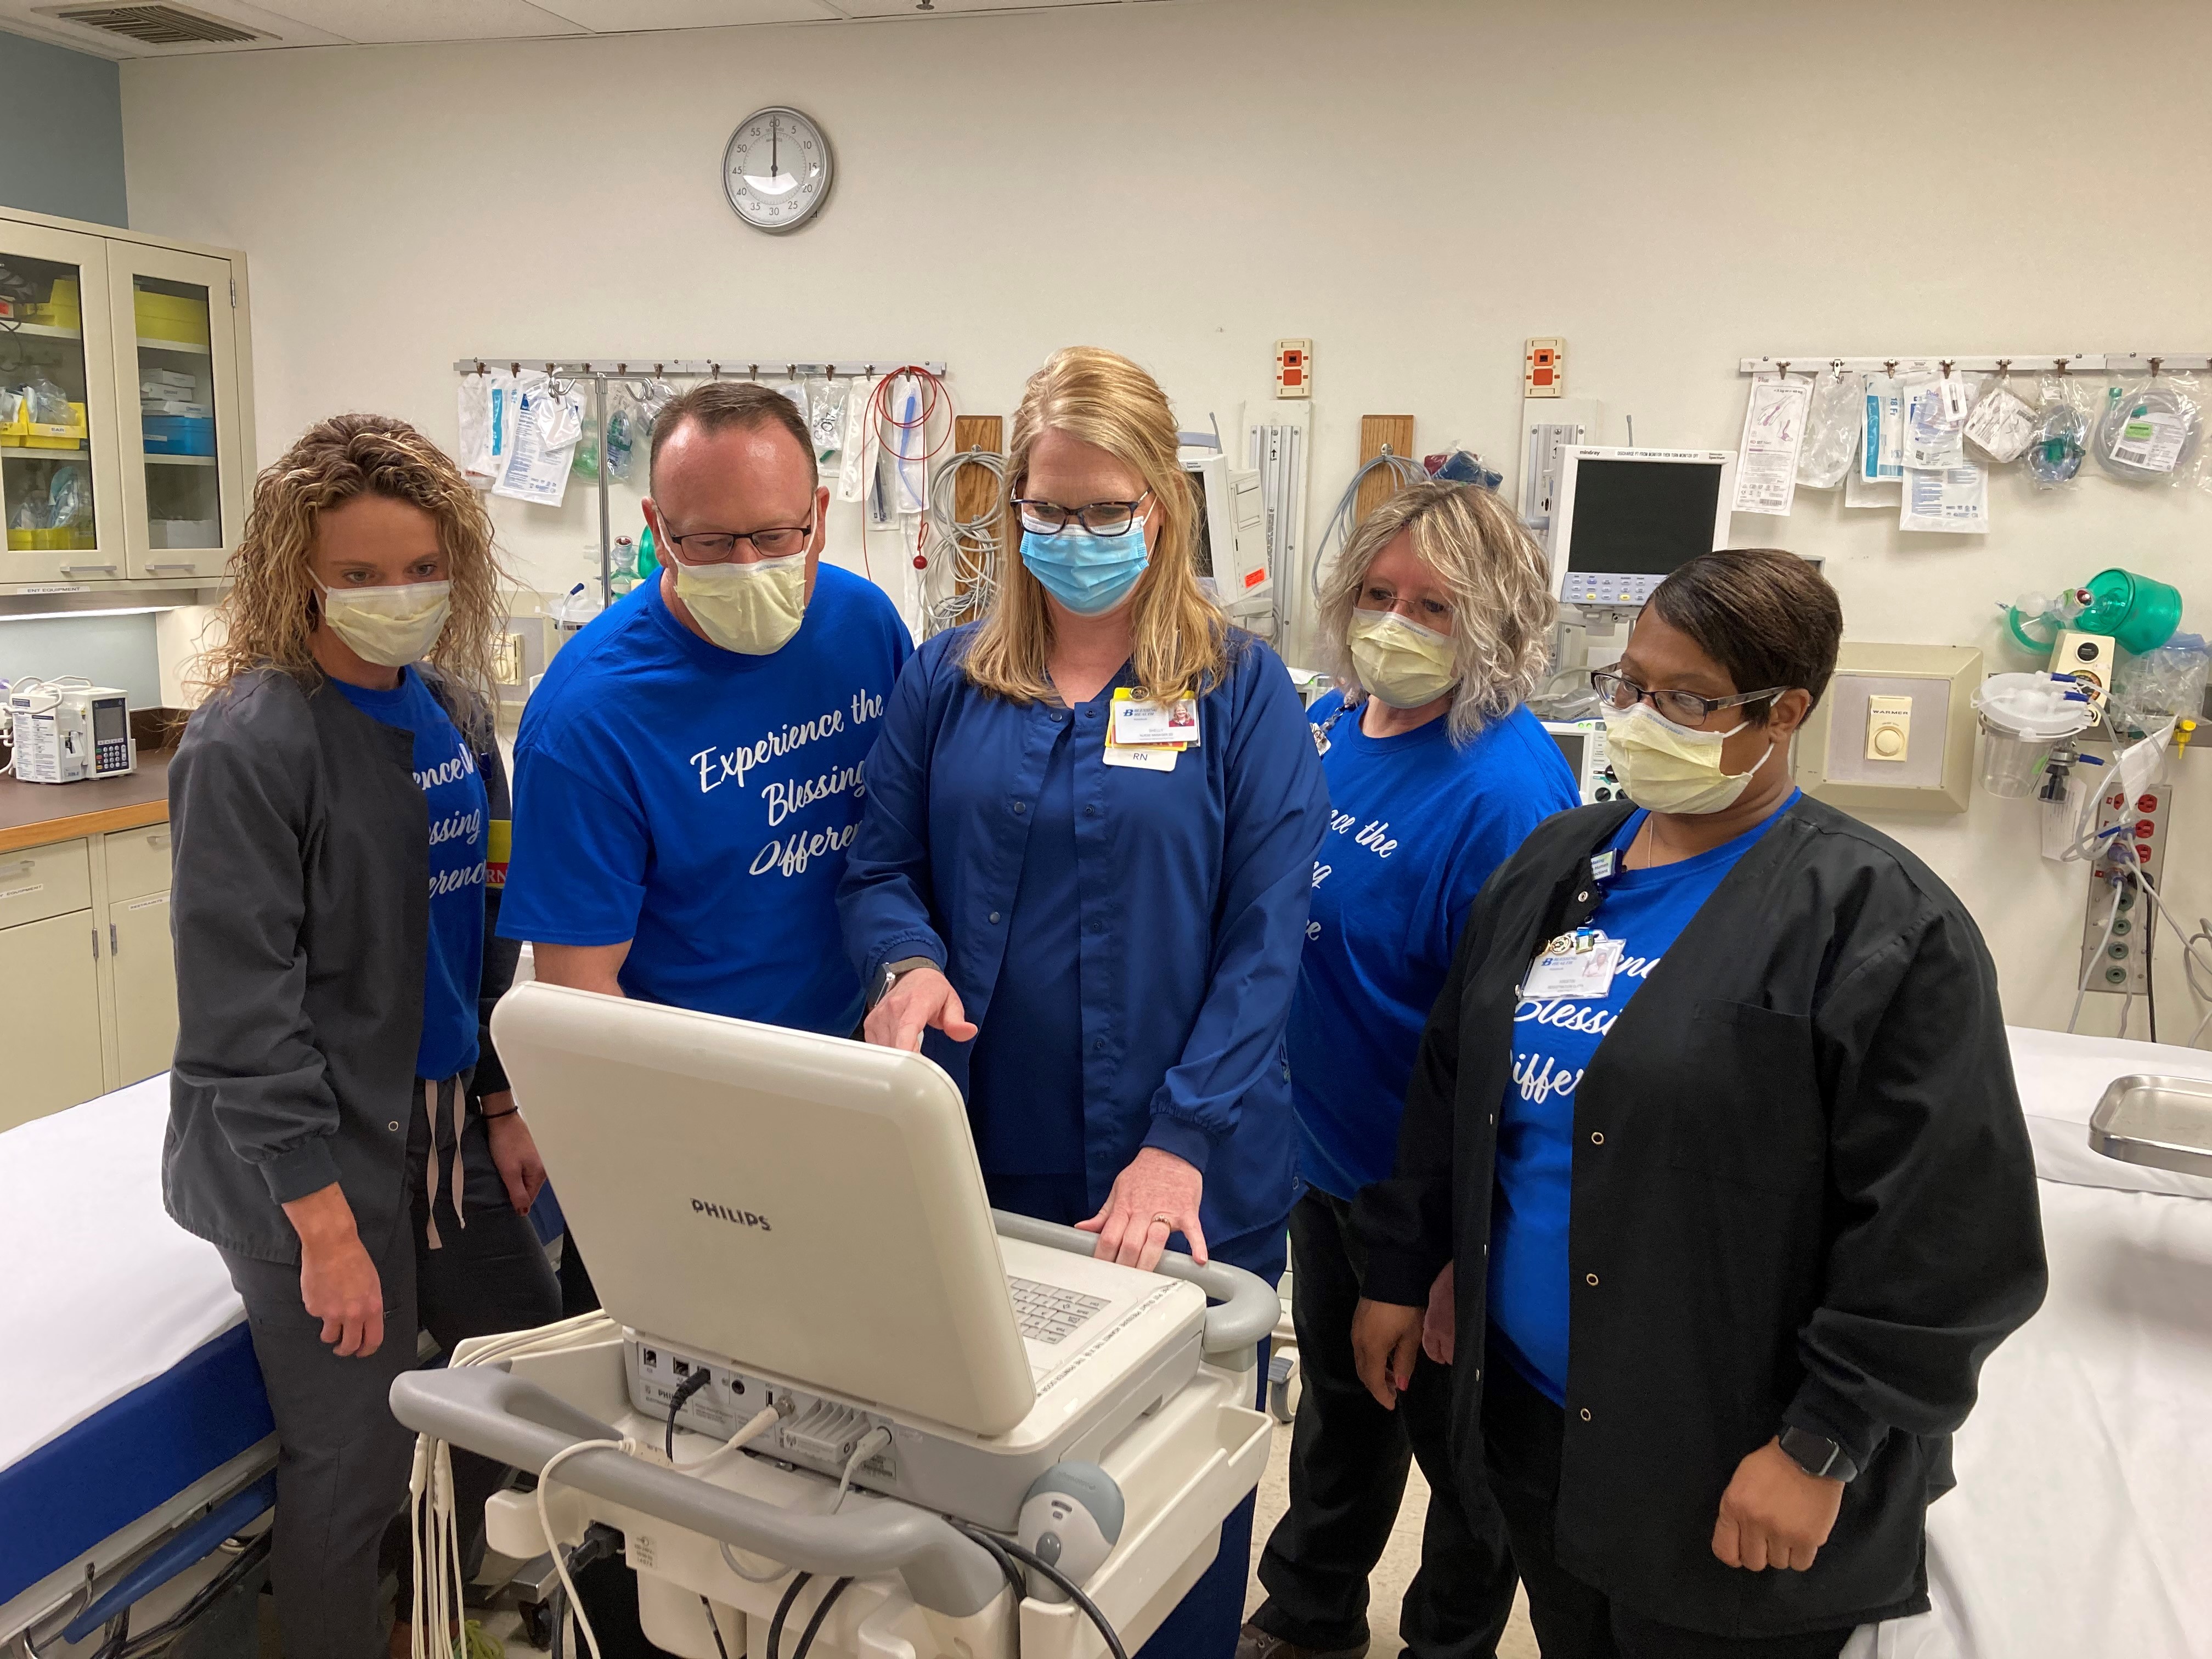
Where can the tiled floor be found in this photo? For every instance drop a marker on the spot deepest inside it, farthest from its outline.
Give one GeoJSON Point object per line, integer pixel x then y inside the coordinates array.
{"type": "Point", "coordinates": [1387, 1588]}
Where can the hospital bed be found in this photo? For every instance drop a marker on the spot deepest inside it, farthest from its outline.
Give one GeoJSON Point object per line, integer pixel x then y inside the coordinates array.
{"type": "Point", "coordinates": [134, 1437]}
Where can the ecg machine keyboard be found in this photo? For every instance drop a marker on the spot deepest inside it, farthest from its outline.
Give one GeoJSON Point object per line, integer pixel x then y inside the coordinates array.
{"type": "Point", "coordinates": [1047, 1313]}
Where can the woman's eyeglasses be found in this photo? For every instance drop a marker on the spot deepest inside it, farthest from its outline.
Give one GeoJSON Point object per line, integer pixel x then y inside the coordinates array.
{"type": "Point", "coordinates": [1683, 707]}
{"type": "Point", "coordinates": [1099, 517]}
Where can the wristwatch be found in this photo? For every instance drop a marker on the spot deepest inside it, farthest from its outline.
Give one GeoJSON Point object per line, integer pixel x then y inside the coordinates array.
{"type": "Point", "coordinates": [889, 975]}
{"type": "Point", "coordinates": [1817, 1455]}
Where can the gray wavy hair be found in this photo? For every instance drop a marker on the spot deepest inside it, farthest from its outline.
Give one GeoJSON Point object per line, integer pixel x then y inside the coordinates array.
{"type": "Point", "coordinates": [1501, 592]}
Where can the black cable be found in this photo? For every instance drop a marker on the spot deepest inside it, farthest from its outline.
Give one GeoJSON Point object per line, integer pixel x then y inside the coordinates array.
{"type": "Point", "coordinates": [822, 1612]}
{"type": "Point", "coordinates": [716, 1626]}
{"type": "Point", "coordinates": [783, 1611]}
{"type": "Point", "coordinates": [690, 1386]}
{"type": "Point", "coordinates": [2150, 971]}
{"type": "Point", "coordinates": [1030, 1559]}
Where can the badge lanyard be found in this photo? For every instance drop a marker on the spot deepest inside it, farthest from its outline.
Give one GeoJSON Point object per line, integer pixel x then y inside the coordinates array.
{"type": "Point", "coordinates": [1577, 963]}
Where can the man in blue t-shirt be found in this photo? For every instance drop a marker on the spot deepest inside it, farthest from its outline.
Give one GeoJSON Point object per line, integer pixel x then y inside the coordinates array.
{"type": "Point", "coordinates": [688, 775]}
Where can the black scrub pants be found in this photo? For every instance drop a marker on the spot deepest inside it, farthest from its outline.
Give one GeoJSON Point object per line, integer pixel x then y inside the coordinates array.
{"type": "Point", "coordinates": [1521, 1434]}
{"type": "Point", "coordinates": [1348, 1463]}
{"type": "Point", "coordinates": [342, 1459]}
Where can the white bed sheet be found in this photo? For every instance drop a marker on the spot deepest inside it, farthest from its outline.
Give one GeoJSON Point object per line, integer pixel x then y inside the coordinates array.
{"type": "Point", "coordinates": [105, 1291]}
{"type": "Point", "coordinates": [2082, 1522]}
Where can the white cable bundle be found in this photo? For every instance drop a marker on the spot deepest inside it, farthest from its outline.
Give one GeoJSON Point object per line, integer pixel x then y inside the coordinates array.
{"type": "Point", "coordinates": [963, 555]}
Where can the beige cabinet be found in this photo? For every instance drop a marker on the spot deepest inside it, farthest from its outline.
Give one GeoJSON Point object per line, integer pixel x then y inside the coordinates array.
{"type": "Point", "coordinates": [85, 945]}
{"type": "Point", "coordinates": [140, 350]}
{"type": "Point", "coordinates": [50, 1020]}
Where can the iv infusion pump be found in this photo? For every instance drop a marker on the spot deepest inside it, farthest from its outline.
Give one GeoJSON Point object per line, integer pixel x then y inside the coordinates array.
{"type": "Point", "coordinates": [67, 731]}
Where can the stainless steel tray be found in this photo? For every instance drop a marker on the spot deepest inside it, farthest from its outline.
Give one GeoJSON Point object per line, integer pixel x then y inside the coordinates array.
{"type": "Point", "coordinates": [2165, 1122]}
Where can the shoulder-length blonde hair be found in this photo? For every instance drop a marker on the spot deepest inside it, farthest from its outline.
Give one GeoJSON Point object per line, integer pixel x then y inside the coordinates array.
{"type": "Point", "coordinates": [1501, 595]}
{"type": "Point", "coordinates": [1181, 638]}
{"type": "Point", "coordinates": [270, 612]}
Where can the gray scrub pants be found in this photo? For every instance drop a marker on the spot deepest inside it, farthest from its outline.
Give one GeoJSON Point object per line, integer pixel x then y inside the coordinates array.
{"type": "Point", "coordinates": [342, 1459]}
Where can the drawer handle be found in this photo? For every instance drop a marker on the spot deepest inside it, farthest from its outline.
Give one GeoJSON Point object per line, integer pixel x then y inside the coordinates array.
{"type": "Point", "coordinates": [20, 867]}
{"type": "Point", "coordinates": [72, 569]}
{"type": "Point", "coordinates": [160, 838]}
{"type": "Point", "coordinates": [187, 566]}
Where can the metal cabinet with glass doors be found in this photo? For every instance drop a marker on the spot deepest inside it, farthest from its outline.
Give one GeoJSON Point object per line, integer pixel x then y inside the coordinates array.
{"type": "Point", "coordinates": [126, 406]}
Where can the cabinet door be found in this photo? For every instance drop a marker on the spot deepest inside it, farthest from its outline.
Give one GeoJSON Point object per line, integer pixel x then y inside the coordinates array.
{"type": "Point", "coordinates": [176, 350]}
{"type": "Point", "coordinates": [61, 481]}
{"type": "Point", "coordinates": [50, 1019]}
{"type": "Point", "coordinates": [145, 968]}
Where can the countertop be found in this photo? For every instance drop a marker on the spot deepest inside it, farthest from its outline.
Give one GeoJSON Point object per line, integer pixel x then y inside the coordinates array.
{"type": "Point", "coordinates": [33, 814]}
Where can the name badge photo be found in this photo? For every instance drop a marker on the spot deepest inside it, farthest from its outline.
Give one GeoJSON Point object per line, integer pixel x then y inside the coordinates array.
{"type": "Point", "coordinates": [1573, 969]}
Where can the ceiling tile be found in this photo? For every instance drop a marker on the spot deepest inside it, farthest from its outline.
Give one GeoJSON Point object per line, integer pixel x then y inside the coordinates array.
{"type": "Point", "coordinates": [617, 16]}
{"type": "Point", "coordinates": [390, 22]}
{"type": "Point", "coordinates": [942, 7]}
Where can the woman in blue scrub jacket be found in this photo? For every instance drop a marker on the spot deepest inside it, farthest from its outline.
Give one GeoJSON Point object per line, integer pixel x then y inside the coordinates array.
{"type": "Point", "coordinates": [1100, 943]}
{"type": "Point", "coordinates": [1439, 616]}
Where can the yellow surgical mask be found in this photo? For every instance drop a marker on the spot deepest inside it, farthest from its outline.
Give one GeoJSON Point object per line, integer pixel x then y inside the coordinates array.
{"type": "Point", "coordinates": [1665, 768]}
{"type": "Point", "coordinates": [1401, 663]}
{"type": "Point", "coordinates": [391, 627]}
{"type": "Point", "coordinates": [752, 609]}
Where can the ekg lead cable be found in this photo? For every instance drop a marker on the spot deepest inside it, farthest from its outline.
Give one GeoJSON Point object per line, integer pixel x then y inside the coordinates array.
{"type": "Point", "coordinates": [1036, 1563]}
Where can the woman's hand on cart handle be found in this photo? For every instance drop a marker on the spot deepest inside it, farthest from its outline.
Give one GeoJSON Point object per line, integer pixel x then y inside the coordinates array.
{"type": "Point", "coordinates": [1153, 1198]}
{"type": "Point", "coordinates": [923, 998]}
{"type": "Point", "coordinates": [1386, 1339]}
{"type": "Point", "coordinates": [337, 1281]}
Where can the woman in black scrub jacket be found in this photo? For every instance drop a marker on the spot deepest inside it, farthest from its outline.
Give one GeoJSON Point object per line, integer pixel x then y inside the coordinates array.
{"type": "Point", "coordinates": [1715, 1116]}
{"type": "Point", "coordinates": [339, 1127]}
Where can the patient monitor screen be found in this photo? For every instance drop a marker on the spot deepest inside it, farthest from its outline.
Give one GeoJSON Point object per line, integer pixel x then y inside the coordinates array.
{"type": "Point", "coordinates": [1641, 518]}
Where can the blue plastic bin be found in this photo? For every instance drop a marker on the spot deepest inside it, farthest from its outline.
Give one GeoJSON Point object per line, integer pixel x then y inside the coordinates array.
{"type": "Point", "coordinates": [178, 434]}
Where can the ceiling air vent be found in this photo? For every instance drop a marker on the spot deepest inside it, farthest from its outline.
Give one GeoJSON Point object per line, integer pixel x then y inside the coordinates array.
{"type": "Point", "coordinates": [156, 26]}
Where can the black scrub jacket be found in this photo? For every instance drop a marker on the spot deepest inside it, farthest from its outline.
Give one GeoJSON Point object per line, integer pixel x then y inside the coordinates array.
{"type": "Point", "coordinates": [1802, 1194]}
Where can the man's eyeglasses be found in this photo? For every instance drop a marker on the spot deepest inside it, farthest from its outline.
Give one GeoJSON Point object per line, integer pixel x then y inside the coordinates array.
{"type": "Point", "coordinates": [1099, 517]}
{"type": "Point", "coordinates": [1683, 707]}
{"type": "Point", "coordinates": [719, 546]}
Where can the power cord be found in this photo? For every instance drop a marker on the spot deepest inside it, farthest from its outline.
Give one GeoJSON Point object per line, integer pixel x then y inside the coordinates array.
{"type": "Point", "coordinates": [1029, 1557]}
{"type": "Point", "coordinates": [821, 1611]}
{"type": "Point", "coordinates": [690, 1386]}
{"type": "Point", "coordinates": [783, 1611]}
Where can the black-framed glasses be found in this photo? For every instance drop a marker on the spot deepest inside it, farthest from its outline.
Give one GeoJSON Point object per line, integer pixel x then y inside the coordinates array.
{"type": "Point", "coordinates": [719, 546]}
{"type": "Point", "coordinates": [1683, 707]}
{"type": "Point", "coordinates": [1099, 517]}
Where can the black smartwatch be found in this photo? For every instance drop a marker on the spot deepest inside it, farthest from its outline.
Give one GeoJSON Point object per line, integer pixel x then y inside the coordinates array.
{"type": "Point", "coordinates": [889, 974]}
{"type": "Point", "coordinates": [1817, 1455]}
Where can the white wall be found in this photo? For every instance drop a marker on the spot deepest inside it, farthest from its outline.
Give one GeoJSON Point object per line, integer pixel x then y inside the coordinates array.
{"type": "Point", "coordinates": [1417, 186]}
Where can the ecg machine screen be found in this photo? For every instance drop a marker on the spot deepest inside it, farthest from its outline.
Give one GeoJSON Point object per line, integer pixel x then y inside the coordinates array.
{"type": "Point", "coordinates": [1571, 745]}
{"type": "Point", "coordinates": [1642, 518]}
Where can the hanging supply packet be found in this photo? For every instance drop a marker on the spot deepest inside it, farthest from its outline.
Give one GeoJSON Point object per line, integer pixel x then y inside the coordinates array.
{"type": "Point", "coordinates": [1835, 418]}
{"type": "Point", "coordinates": [2149, 431]}
{"type": "Point", "coordinates": [825, 417]}
{"type": "Point", "coordinates": [1773, 435]}
{"type": "Point", "coordinates": [474, 450]}
{"type": "Point", "coordinates": [796, 390]}
{"type": "Point", "coordinates": [1935, 422]}
{"type": "Point", "coordinates": [538, 472]}
{"type": "Point", "coordinates": [1954, 501]}
{"type": "Point", "coordinates": [620, 439]}
{"type": "Point", "coordinates": [2001, 424]}
{"type": "Point", "coordinates": [1882, 453]}
{"type": "Point", "coordinates": [854, 464]}
{"type": "Point", "coordinates": [2060, 441]}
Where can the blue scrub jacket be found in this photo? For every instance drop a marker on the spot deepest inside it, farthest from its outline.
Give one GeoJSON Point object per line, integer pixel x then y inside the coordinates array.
{"type": "Point", "coordinates": [1193, 883]}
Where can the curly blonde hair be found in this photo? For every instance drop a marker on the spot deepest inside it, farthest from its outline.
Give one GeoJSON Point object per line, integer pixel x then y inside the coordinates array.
{"type": "Point", "coordinates": [1501, 589]}
{"type": "Point", "coordinates": [1180, 638]}
{"type": "Point", "coordinates": [268, 615]}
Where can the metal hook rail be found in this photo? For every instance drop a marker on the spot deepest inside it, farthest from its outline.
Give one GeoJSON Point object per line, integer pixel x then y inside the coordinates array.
{"type": "Point", "coordinates": [2018, 362]}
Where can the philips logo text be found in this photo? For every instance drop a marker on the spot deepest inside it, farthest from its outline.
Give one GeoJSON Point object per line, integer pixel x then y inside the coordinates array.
{"type": "Point", "coordinates": [735, 1216]}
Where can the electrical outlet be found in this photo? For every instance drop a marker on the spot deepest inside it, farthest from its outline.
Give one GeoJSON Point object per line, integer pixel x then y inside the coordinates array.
{"type": "Point", "coordinates": [2117, 963]}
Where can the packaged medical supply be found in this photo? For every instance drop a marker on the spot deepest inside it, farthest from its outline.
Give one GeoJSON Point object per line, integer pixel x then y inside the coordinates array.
{"type": "Point", "coordinates": [796, 390]}
{"type": "Point", "coordinates": [2149, 431]}
{"type": "Point", "coordinates": [1953, 500]}
{"type": "Point", "coordinates": [856, 462]}
{"type": "Point", "coordinates": [621, 432]}
{"type": "Point", "coordinates": [1835, 419]}
{"type": "Point", "coordinates": [586, 466]}
{"type": "Point", "coordinates": [1882, 453]}
{"type": "Point", "coordinates": [1773, 433]}
{"type": "Point", "coordinates": [2160, 684]}
{"type": "Point", "coordinates": [825, 417]}
{"type": "Point", "coordinates": [1935, 422]}
{"type": "Point", "coordinates": [2000, 424]}
{"type": "Point", "coordinates": [536, 470]}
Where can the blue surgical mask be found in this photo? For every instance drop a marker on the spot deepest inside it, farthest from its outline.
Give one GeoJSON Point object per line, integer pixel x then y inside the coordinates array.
{"type": "Point", "coordinates": [1090, 575]}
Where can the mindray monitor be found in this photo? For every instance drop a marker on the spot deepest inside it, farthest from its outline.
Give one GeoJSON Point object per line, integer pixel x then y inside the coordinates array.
{"type": "Point", "coordinates": [1623, 518]}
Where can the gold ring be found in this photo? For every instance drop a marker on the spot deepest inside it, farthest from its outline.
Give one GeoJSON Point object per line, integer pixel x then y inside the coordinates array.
{"type": "Point", "coordinates": [1164, 1216]}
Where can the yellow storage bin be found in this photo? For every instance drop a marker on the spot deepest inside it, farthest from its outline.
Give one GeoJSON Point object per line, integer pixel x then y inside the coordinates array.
{"type": "Point", "coordinates": [169, 316]}
{"type": "Point", "coordinates": [46, 436]}
{"type": "Point", "coordinates": [19, 541]}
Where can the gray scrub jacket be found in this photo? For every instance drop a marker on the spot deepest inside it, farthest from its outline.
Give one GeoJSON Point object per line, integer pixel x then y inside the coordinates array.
{"type": "Point", "coordinates": [300, 905]}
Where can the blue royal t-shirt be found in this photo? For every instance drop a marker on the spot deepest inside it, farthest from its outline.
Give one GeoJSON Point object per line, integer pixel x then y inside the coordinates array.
{"type": "Point", "coordinates": [1416, 826]}
{"type": "Point", "coordinates": [446, 772]}
{"type": "Point", "coordinates": [698, 803]}
{"type": "Point", "coordinates": [1553, 1039]}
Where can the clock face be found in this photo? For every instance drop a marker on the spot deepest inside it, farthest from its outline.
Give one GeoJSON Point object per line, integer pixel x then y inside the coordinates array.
{"type": "Point", "coordinates": [776, 170]}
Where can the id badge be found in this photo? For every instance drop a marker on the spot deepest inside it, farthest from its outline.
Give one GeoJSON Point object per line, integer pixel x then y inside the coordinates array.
{"type": "Point", "coordinates": [1573, 969]}
{"type": "Point", "coordinates": [1144, 720]}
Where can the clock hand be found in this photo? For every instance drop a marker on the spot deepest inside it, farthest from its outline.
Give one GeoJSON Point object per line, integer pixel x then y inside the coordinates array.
{"type": "Point", "coordinates": [774, 170]}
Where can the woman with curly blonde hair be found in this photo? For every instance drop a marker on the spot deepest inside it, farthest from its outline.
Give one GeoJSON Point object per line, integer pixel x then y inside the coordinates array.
{"type": "Point", "coordinates": [339, 1127]}
{"type": "Point", "coordinates": [1437, 620]}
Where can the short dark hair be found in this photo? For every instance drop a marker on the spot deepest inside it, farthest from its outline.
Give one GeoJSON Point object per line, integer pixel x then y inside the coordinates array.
{"type": "Point", "coordinates": [718, 405]}
{"type": "Point", "coordinates": [1765, 616]}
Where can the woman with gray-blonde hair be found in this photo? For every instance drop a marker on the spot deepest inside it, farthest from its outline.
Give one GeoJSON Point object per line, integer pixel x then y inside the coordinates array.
{"type": "Point", "coordinates": [1437, 620]}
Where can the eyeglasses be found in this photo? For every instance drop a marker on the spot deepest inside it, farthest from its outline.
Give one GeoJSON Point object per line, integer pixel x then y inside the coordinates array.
{"type": "Point", "coordinates": [1683, 707]}
{"type": "Point", "coordinates": [719, 546]}
{"type": "Point", "coordinates": [1099, 517]}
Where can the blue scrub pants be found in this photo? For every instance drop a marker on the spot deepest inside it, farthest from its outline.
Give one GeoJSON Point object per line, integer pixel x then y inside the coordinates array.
{"type": "Point", "coordinates": [1205, 1622]}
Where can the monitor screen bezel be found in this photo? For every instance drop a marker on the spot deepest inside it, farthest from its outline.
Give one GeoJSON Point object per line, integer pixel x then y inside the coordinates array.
{"type": "Point", "coordinates": [1571, 457]}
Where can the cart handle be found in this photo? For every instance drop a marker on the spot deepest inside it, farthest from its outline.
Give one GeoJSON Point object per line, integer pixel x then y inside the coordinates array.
{"type": "Point", "coordinates": [492, 1411]}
